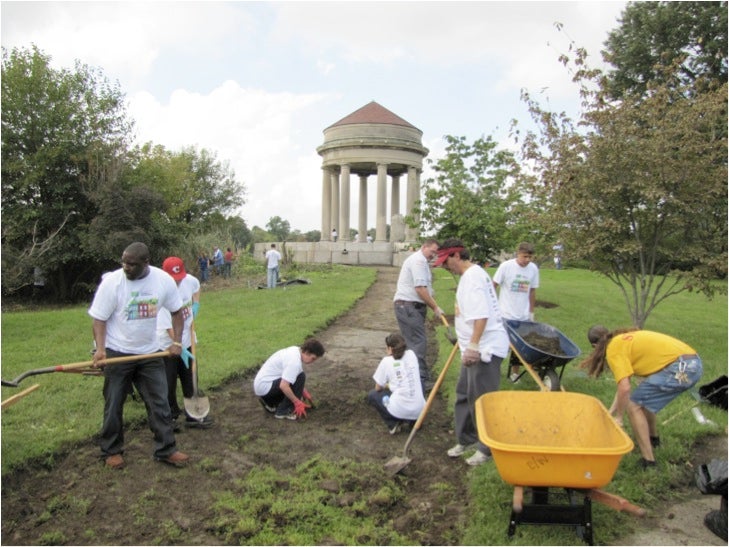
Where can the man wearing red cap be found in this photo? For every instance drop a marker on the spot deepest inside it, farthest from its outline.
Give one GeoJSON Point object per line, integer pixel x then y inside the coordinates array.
{"type": "Point", "coordinates": [482, 340]}
{"type": "Point", "coordinates": [189, 288]}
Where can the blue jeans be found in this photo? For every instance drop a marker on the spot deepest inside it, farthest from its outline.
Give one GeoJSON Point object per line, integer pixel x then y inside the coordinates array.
{"type": "Point", "coordinates": [662, 387]}
{"type": "Point", "coordinates": [272, 277]}
{"type": "Point", "coordinates": [150, 378]}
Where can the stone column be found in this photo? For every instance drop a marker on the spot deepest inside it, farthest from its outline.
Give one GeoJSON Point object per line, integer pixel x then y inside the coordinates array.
{"type": "Point", "coordinates": [395, 196]}
{"type": "Point", "coordinates": [326, 205]}
{"type": "Point", "coordinates": [334, 181]}
{"type": "Point", "coordinates": [381, 225]}
{"type": "Point", "coordinates": [362, 227]}
{"type": "Point", "coordinates": [344, 182]}
{"type": "Point", "coordinates": [410, 199]}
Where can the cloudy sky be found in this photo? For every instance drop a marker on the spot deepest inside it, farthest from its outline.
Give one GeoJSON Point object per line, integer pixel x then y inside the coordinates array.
{"type": "Point", "coordinates": [257, 82]}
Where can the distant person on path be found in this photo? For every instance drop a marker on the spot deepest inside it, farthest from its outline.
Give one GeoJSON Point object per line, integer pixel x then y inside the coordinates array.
{"type": "Point", "coordinates": [558, 248]}
{"type": "Point", "coordinates": [124, 312]}
{"type": "Point", "coordinates": [281, 381]}
{"type": "Point", "coordinates": [369, 238]}
{"type": "Point", "coordinates": [517, 281]}
{"type": "Point", "coordinates": [218, 261]}
{"type": "Point", "coordinates": [227, 263]}
{"type": "Point", "coordinates": [413, 297]}
{"type": "Point", "coordinates": [334, 234]}
{"type": "Point", "coordinates": [203, 262]}
{"type": "Point", "coordinates": [482, 340]}
{"type": "Point", "coordinates": [398, 394]}
{"type": "Point", "coordinates": [272, 259]}
{"type": "Point", "coordinates": [665, 366]}
{"type": "Point", "coordinates": [177, 365]}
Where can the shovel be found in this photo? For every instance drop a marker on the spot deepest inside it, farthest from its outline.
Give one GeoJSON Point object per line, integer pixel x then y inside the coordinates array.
{"type": "Point", "coordinates": [452, 338]}
{"type": "Point", "coordinates": [197, 406]}
{"type": "Point", "coordinates": [82, 365]}
{"type": "Point", "coordinates": [398, 463]}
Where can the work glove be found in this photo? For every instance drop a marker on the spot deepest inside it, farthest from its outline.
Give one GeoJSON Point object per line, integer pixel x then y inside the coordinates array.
{"type": "Point", "coordinates": [471, 356]}
{"type": "Point", "coordinates": [437, 313]}
{"type": "Point", "coordinates": [300, 408]}
{"type": "Point", "coordinates": [195, 309]}
{"type": "Point", "coordinates": [306, 397]}
{"type": "Point", "coordinates": [186, 356]}
{"type": "Point", "coordinates": [531, 317]}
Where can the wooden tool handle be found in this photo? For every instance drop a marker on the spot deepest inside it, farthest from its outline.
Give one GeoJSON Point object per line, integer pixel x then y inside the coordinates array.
{"type": "Point", "coordinates": [111, 361]}
{"type": "Point", "coordinates": [616, 502]}
{"type": "Point", "coordinates": [15, 398]}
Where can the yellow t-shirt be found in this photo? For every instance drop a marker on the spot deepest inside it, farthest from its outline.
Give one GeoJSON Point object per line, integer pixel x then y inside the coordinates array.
{"type": "Point", "coordinates": [643, 352]}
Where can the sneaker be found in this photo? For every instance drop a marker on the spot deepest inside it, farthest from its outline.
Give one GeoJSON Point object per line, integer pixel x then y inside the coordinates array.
{"type": "Point", "coordinates": [178, 459]}
{"type": "Point", "coordinates": [270, 409]}
{"type": "Point", "coordinates": [514, 377]}
{"type": "Point", "coordinates": [396, 428]}
{"type": "Point", "coordinates": [456, 451]}
{"type": "Point", "coordinates": [478, 458]}
{"type": "Point", "coordinates": [115, 461]}
{"type": "Point", "coordinates": [290, 416]}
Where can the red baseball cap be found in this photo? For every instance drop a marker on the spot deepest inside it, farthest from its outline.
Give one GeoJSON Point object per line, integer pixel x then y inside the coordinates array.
{"type": "Point", "coordinates": [175, 267]}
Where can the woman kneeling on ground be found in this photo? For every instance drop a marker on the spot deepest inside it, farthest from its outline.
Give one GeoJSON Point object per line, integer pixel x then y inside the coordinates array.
{"type": "Point", "coordinates": [398, 393]}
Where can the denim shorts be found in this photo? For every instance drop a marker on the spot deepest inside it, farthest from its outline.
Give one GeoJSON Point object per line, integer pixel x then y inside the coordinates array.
{"type": "Point", "coordinates": [662, 387]}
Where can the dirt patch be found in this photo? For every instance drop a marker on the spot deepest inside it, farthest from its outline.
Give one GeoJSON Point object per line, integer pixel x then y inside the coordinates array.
{"type": "Point", "coordinates": [77, 501]}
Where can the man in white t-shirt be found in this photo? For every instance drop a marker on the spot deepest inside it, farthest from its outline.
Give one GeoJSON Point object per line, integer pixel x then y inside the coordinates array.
{"type": "Point", "coordinates": [517, 281]}
{"type": "Point", "coordinates": [124, 312]}
{"type": "Point", "coordinates": [280, 383]}
{"type": "Point", "coordinates": [413, 297]}
{"type": "Point", "coordinates": [177, 366]}
{"type": "Point", "coordinates": [272, 259]}
{"type": "Point", "coordinates": [482, 340]}
{"type": "Point", "coordinates": [398, 394]}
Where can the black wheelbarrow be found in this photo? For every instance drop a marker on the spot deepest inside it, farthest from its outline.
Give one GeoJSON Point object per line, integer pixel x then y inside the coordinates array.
{"type": "Point", "coordinates": [542, 350]}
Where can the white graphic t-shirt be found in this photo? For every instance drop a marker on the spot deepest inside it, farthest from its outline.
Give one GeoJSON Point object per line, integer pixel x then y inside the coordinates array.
{"type": "Point", "coordinates": [402, 376]}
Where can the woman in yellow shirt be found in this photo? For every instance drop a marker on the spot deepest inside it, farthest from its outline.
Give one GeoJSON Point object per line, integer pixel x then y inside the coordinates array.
{"type": "Point", "coordinates": [665, 366]}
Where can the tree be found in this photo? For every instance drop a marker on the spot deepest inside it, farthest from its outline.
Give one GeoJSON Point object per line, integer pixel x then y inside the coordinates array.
{"type": "Point", "coordinates": [278, 228]}
{"type": "Point", "coordinates": [473, 197]}
{"type": "Point", "coordinates": [653, 35]}
{"type": "Point", "coordinates": [639, 191]}
{"type": "Point", "coordinates": [63, 133]}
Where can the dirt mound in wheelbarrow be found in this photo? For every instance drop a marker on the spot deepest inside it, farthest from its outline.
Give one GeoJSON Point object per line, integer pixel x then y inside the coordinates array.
{"type": "Point", "coordinates": [78, 501]}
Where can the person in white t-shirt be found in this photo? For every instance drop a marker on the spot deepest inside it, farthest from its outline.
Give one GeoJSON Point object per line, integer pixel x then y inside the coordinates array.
{"type": "Point", "coordinates": [517, 281]}
{"type": "Point", "coordinates": [398, 393]}
{"type": "Point", "coordinates": [124, 312]}
{"type": "Point", "coordinates": [177, 366]}
{"type": "Point", "coordinates": [280, 383]}
{"type": "Point", "coordinates": [482, 340]}
{"type": "Point", "coordinates": [272, 259]}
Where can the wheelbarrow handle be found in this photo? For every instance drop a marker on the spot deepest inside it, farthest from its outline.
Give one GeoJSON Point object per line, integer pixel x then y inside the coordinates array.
{"type": "Point", "coordinates": [84, 364]}
{"type": "Point", "coordinates": [616, 502]}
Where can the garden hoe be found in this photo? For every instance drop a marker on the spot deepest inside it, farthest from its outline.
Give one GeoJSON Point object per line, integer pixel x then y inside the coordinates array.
{"type": "Point", "coordinates": [74, 367]}
{"type": "Point", "coordinates": [398, 463]}
{"type": "Point", "coordinates": [197, 406]}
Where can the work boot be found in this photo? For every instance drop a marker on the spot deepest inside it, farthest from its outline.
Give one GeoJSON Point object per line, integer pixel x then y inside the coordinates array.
{"type": "Point", "coordinates": [115, 461]}
{"type": "Point", "coordinates": [178, 459]}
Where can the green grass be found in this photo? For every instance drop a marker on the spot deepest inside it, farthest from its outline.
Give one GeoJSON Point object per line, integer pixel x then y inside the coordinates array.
{"type": "Point", "coordinates": [237, 330]}
{"type": "Point", "coordinates": [584, 299]}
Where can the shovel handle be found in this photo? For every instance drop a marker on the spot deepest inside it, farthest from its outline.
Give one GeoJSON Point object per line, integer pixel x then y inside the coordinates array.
{"type": "Point", "coordinates": [15, 398]}
{"type": "Point", "coordinates": [110, 361]}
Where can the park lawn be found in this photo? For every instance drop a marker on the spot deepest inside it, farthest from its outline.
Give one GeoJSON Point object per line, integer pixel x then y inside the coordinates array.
{"type": "Point", "coordinates": [583, 299]}
{"type": "Point", "coordinates": [237, 330]}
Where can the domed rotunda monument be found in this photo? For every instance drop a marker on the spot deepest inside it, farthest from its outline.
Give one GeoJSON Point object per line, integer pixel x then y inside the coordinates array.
{"type": "Point", "coordinates": [370, 141]}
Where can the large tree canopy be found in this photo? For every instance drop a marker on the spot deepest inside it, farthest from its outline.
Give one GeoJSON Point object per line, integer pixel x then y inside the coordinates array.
{"type": "Point", "coordinates": [638, 191]}
{"type": "Point", "coordinates": [653, 35]}
{"type": "Point", "coordinates": [74, 194]}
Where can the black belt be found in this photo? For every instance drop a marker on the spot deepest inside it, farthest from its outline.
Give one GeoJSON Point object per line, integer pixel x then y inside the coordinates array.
{"type": "Point", "coordinates": [416, 305]}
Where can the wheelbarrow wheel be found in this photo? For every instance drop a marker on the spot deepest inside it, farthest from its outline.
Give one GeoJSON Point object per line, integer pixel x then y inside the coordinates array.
{"type": "Point", "coordinates": [550, 378]}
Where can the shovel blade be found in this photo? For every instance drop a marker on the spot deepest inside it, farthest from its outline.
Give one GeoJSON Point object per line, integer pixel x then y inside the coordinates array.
{"type": "Point", "coordinates": [397, 464]}
{"type": "Point", "coordinates": [197, 407]}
